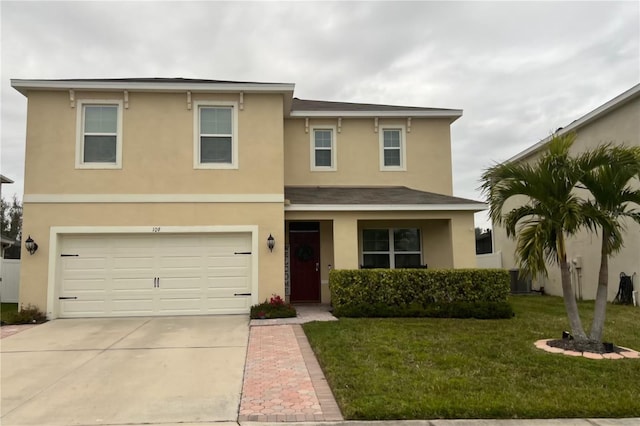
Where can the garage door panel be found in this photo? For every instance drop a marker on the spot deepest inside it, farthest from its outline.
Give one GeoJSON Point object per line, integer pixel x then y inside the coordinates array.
{"type": "Point", "coordinates": [180, 285]}
{"type": "Point", "coordinates": [82, 308]}
{"type": "Point", "coordinates": [181, 262]}
{"type": "Point", "coordinates": [131, 284]}
{"type": "Point", "coordinates": [85, 284]}
{"type": "Point", "coordinates": [85, 263]}
{"type": "Point", "coordinates": [230, 305]}
{"type": "Point", "coordinates": [221, 273]}
{"type": "Point", "coordinates": [133, 262]}
{"type": "Point", "coordinates": [159, 274]}
{"type": "Point", "coordinates": [233, 260]}
{"type": "Point", "coordinates": [238, 284]}
{"type": "Point", "coordinates": [136, 307]}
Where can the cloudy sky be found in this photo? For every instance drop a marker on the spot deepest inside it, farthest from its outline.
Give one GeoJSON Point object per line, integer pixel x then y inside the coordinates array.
{"type": "Point", "coordinates": [519, 70]}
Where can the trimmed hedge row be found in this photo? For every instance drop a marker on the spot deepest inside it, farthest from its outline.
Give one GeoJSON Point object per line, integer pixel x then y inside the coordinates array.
{"type": "Point", "coordinates": [454, 293]}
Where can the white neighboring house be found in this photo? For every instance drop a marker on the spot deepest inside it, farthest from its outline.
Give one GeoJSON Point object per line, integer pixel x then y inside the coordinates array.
{"type": "Point", "coordinates": [617, 121]}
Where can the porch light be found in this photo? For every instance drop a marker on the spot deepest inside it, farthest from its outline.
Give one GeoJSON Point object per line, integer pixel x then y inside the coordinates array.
{"type": "Point", "coordinates": [271, 242]}
{"type": "Point", "coordinates": [30, 245]}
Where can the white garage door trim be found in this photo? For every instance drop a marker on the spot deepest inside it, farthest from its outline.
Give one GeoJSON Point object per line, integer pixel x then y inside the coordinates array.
{"type": "Point", "coordinates": [57, 232]}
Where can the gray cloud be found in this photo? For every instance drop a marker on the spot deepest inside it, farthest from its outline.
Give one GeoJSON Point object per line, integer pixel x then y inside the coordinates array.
{"type": "Point", "coordinates": [518, 69]}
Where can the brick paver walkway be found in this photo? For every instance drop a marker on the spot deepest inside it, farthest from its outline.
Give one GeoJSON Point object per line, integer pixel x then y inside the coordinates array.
{"type": "Point", "coordinates": [282, 379]}
{"type": "Point", "coordinates": [10, 330]}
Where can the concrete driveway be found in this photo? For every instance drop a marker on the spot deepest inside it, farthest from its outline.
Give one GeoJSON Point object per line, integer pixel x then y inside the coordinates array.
{"type": "Point", "coordinates": [125, 371]}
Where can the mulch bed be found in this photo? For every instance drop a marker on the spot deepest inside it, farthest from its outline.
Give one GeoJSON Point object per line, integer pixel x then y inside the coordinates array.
{"type": "Point", "coordinates": [581, 346]}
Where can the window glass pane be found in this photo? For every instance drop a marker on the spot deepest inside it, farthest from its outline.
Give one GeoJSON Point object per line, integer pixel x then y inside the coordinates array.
{"type": "Point", "coordinates": [99, 149]}
{"type": "Point", "coordinates": [215, 121]}
{"type": "Point", "coordinates": [215, 149]}
{"type": "Point", "coordinates": [376, 261]}
{"type": "Point", "coordinates": [392, 138]}
{"type": "Point", "coordinates": [407, 260]}
{"type": "Point", "coordinates": [323, 138]}
{"type": "Point", "coordinates": [392, 157]}
{"type": "Point", "coordinates": [375, 240]}
{"type": "Point", "coordinates": [406, 239]}
{"type": "Point", "coordinates": [323, 158]}
{"type": "Point", "coordinates": [100, 119]}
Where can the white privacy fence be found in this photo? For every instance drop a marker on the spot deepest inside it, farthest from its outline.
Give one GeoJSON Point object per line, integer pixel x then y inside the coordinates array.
{"type": "Point", "coordinates": [10, 280]}
{"type": "Point", "coordinates": [489, 260]}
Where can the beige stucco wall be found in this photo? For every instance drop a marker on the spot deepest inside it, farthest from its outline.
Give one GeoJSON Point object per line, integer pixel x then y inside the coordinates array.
{"type": "Point", "coordinates": [428, 154]}
{"type": "Point", "coordinates": [158, 144]}
{"type": "Point", "coordinates": [38, 219]}
{"type": "Point", "coordinates": [621, 126]}
{"type": "Point", "coordinates": [157, 158]}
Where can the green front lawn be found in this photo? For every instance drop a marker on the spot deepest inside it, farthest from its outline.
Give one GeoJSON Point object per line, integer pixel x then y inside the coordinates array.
{"type": "Point", "coordinates": [465, 368]}
{"type": "Point", "coordinates": [6, 309]}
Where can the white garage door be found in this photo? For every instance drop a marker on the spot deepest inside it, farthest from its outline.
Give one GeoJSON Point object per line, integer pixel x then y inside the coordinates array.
{"type": "Point", "coordinates": [154, 274]}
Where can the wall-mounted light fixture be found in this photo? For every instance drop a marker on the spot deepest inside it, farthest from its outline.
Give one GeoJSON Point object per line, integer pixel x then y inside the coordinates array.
{"type": "Point", "coordinates": [271, 242]}
{"type": "Point", "coordinates": [30, 245]}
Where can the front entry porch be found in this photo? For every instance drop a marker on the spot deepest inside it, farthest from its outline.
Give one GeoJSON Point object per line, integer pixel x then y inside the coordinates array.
{"type": "Point", "coordinates": [317, 243]}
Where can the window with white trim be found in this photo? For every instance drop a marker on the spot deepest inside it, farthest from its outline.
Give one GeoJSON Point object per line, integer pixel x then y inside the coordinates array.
{"type": "Point", "coordinates": [392, 148]}
{"type": "Point", "coordinates": [215, 145]}
{"type": "Point", "coordinates": [99, 134]}
{"type": "Point", "coordinates": [391, 248]}
{"type": "Point", "coordinates": [323, 148]}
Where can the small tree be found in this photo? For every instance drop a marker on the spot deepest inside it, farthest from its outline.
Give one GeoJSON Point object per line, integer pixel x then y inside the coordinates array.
{"type": "Point", "coordinates": [613, 199]}
{"type": "Point", "coordinates": [553, 210]}
{"type": "Point", "coordinates": [11, 218]}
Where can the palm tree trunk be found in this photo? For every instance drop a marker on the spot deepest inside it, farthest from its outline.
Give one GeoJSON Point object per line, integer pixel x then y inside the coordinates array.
{"type": "Point", "coordinates": [600, 310]}
{"type": "Point", "coordinates": [570, 303]}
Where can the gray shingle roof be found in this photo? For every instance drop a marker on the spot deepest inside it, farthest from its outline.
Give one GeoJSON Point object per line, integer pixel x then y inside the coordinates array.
{"type": "Point", "coordinates": [158, 80]}
{"type": "Point", "coordinates": [311, 105]}
{"type": "Point", "coordinates": [370, 195]}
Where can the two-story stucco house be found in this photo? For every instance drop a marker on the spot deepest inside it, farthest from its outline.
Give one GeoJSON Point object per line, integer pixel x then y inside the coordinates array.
{"type": "Point", "coordinates": [186, 197]}
{"type": "Point", "coordinates": [617, 122]}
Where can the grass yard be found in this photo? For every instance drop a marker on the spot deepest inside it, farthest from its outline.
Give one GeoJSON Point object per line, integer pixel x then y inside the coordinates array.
{"type": "Point", "coordinates": [464, 368]}
{"type": "Point", "coordinates": [6, 309]}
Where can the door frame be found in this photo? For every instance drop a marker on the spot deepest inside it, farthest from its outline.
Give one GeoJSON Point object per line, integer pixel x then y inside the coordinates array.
{"type": "Point", "coordinates": [316, 224]}
{"type": "Point", "coordinates": [58, 232]}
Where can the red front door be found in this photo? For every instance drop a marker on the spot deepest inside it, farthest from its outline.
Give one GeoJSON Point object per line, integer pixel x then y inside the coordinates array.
{"type": "Point", "coordinates": [304, 252]}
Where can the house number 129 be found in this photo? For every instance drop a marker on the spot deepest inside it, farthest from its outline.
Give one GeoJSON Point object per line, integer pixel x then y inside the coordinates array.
{"type": "Point", "coordinates": [155, 229]}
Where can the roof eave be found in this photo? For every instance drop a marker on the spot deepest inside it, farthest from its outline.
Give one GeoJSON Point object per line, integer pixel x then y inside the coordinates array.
{"type": "Point", "coordinates": [451, 114]}
{"type": "Point", "coordinates": [23, 86]}
{"type": "Point", "coordinates": [475, 207]}
{"type": "Point", "coordinates": [4, 179]}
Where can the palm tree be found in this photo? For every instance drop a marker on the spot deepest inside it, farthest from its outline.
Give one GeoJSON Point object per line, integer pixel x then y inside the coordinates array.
{"type": "Point", "coordinates": [552, 212]}
{"type": "Point", "coordinates": [613, 200]}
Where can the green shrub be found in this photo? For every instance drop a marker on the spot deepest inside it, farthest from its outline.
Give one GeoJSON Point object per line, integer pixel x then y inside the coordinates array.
{"type": "Point", "coordinates": [275, 307]}
{"type": "Point", "coordinates": [478, 310]}
{"type": "Point", "coordinates": [26, 315]}
{"type": "Point", "coordinates": [451, 293]}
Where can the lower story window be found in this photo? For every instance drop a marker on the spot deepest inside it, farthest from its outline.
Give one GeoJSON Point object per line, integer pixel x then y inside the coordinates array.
{"type": "Point", "coordinates": [391, 248]}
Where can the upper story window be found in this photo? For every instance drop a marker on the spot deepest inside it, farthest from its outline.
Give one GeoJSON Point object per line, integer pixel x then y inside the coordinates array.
{"type": "Point", "coordinates": [392, 148]}
{"type": "Point", "coordinates": [216, 129]}
{"type": "Point", "coordinates": [323, 149]}
{"type": "Point", "coordinates": [391, 248]}
{"type": "Point", "coordinates": [99, 134]}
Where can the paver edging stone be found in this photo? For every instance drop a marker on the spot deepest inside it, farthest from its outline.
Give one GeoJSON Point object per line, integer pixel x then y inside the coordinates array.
{"type": "Point", "coordinates": [625, 353]}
